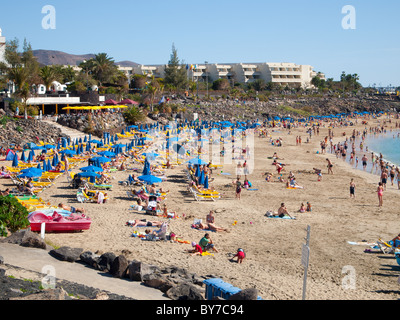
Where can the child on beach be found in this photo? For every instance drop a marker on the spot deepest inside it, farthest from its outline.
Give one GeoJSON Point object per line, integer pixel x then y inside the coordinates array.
{"type": "Point", "coordinates": [380, 193]}
{"type": "Point", "coordinates": [240, 255]}
{"type": "Point", "coordinates": [196, 250]}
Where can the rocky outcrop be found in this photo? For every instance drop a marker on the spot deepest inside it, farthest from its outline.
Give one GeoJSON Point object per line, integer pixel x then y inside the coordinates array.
{"type": "Point", "coordinates": [21, 131]}
{"type": "Point", "coordinates": [95, 124]}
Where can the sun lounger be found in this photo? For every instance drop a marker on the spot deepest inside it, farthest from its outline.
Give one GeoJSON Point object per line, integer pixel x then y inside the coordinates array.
{"type": "Point", "coordinates": [201, 196]}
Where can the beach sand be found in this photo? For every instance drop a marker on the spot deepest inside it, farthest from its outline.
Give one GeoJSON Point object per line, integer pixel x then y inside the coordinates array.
{"type": "Point", "coordinates": [273, 246]}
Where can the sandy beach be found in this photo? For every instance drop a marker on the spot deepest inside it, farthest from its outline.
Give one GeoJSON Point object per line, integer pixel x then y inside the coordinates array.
{"type": "Point", "coordinates": [273, 246]}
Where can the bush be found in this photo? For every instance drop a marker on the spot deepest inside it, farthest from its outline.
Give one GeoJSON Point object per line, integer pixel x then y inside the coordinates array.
{"type": "Point", "coordinates": [13, 215]}
{"type": "Point", "coordinates": [133, 114]}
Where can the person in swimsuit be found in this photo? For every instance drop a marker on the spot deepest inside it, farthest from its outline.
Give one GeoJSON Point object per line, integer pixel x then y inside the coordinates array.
{"type": "Point", "coordinates": [330, 165]}
{"type": "Point", "coordinates": [238, 188]}
{"type": "Point", "coordinates": [384, 177]}
{"type": "Point", "coordinates": [352, 188]}
{"type": "Point", "coordinates": [392, 174]}
{"type": "Point", "coordinates": [364, 160]}
{"type": "Point", "coordinates": [144, 223]}
{"type": "Point", "coordinates": [380, 193]}
{"type": "Point", "coordinates": [71, 209]}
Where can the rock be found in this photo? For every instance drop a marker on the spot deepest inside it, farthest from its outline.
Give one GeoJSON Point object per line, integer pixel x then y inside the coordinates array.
{"type": "Point", "coordinates": [2, 272]}
{"type": "Point", "coordinates": [1, 260]}
{"type": "Point", "coordinates": [119, 267]}
{"type": "Point", "coordinates": [105, 261]}
{"type": "Point", "coordinates": [26, 238]}
{"type": "Point", "coordinates": [157, 281]}
{"type": "Point", "coordinates": [89, 258]}
{"type": "Point", "coordinates": [32, 240]}
{"type": "Point", "coordinates": [185, 291]}
{"type": "Point", "coordinates": [245, 294]}
{"type": "Point", "coordinates": [14, 238]}
{"type": "Point", "coordinates": [66, 253]}
{"type": "Point", "coordinates": [139, 270]}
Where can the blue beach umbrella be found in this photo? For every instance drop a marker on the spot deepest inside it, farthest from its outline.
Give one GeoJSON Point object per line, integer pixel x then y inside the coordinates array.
{"type": "Point", "coordinates": [91, 175]}
{"type": "Point", "coordinates": [146, 168]}
{"type": "Point", "coordinates": [29, 175]}
{"type": "Point", "coordinates": [101, 159]}
{"type": "Point", "coordinates": [206, 182]}
{"type": "Point", "coordinates": [197, 161]}
{"type": "Point", "coordinates": [69, 152]}
{"type": "Point", "coordinates": [151, 155]}
{"type": "Point", "coordinates": [92, 169]}
{"type": "Point", "coordinates": [33, 170]}
{"type": "Point", "coordinates": [107, 154]}
{"type": "Point", "coordinates": [31, 155]}
{"type": "Point", "coordinates": [150, 179]}
{"type": "Point", "coordinates": [201, 179]}
{"type": "Point", "coordinates": [23, 157]}
{"type": "Point", "coordinates": [15, 161]}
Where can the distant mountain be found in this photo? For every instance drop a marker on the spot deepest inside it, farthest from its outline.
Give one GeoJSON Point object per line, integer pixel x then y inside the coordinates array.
{"type": "Point", "coordinates": [127, 64]}
{"type": "Point", "coordinates": [51, 57]}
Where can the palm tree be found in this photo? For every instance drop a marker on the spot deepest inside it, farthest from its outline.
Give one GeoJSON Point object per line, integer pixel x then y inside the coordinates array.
{"type": "Point", "coordinates": [103, 67]}
{"type": "Point", "coordinates": [48, 75]}
{"type": "Point", "coordinates": [19, 75]}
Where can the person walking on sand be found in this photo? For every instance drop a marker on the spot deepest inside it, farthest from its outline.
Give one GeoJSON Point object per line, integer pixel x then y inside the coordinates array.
{"type": "Point", "coordinates": [352, 188]}
{"type": "Point", "coordinates": [384, 177]}
{"type": "Point", "coordinates": [330, 165]}
{"type": "Point", "coordinates": [380, 193]}
{"type": "Point", "coordinates": [238, 185]}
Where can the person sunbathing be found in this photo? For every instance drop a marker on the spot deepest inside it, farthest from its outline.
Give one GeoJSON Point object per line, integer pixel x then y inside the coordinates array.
{"type": "Point", "coordinates": [71, 209]}
{"type": "Point", "coordinates": [209, 226]}
{"type": "Point", "coordinates": [144, 223]}
{"type": "Point", "coordinates": [138, 206]}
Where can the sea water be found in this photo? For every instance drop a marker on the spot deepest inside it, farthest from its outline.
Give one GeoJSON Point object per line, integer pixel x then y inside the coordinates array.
{"type": "Point", "coordinates": [386, 143]}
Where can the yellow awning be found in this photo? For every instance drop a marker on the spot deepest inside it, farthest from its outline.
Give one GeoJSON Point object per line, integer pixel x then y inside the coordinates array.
{"type": "Point", "coordinates": [93, 107]}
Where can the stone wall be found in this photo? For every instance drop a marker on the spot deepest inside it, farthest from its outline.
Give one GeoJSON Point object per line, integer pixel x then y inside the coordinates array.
{"type": "Point", "coordinates": [94, 123]}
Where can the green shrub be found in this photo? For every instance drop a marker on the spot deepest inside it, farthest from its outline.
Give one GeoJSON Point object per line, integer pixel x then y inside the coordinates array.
{"type": "Point", "coordinates": [133, 114]}
{"type": "Point", "coordinates": [13, 215]}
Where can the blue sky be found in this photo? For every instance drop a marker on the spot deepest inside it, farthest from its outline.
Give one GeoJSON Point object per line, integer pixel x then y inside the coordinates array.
{"type": "Point", "coordinates": [303, 32]}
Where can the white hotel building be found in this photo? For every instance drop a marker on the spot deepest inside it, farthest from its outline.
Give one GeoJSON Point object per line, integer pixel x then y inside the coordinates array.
{"type": "Point", "coordinates": [284, 74]}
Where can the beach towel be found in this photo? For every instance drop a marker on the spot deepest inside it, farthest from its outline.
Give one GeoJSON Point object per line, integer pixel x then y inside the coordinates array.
{"type": "Point", "coordinates": [205, 253]}
{"type": "Point", "coordinates": [252, 189]}
{"type": "Point", "coordinates": [285, 217]}
{"type": "Point", "coordinates": [270, 214]}
{"type": "Point", "coordinates": [362, 243]}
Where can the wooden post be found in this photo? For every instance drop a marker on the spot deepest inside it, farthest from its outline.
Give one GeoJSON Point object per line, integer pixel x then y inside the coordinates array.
{"type": "Point", "coordinates": [56, 108]}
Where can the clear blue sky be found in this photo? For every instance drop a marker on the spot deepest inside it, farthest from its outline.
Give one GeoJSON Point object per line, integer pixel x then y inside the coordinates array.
{"type": "Point", "coordinates": [303, 32]}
